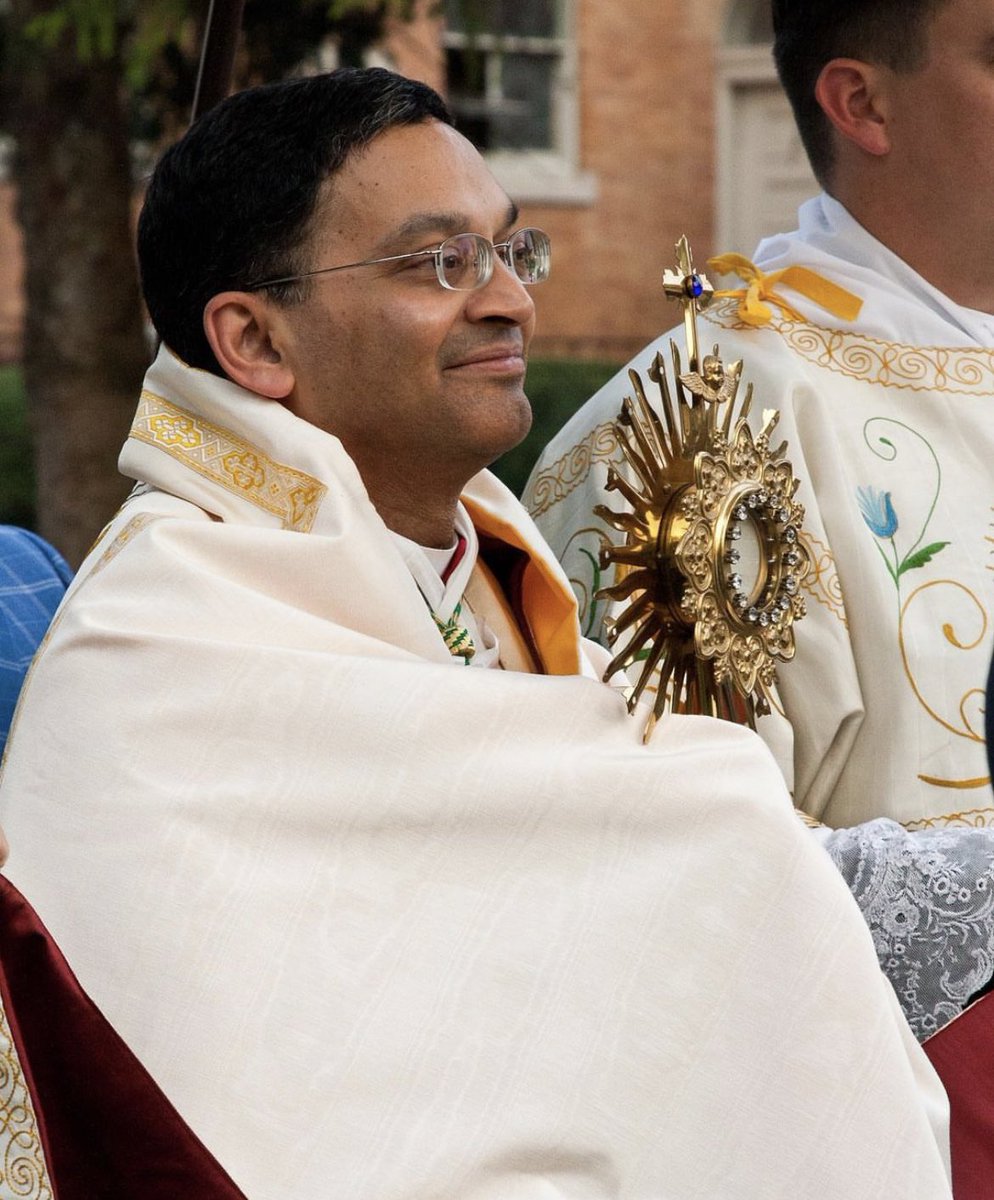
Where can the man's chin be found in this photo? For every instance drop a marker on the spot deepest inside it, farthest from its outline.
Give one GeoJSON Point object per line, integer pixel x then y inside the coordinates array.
{"type": "Point", "coordinates": [513, 436]}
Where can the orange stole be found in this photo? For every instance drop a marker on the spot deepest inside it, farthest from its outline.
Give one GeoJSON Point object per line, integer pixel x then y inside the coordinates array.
{"type": "Point", "coordinates": [545, 607]}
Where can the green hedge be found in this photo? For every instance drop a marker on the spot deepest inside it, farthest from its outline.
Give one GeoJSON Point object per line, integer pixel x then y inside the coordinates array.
{"type": "Point", "coordinates": [16, 473]}
{"type": "Point", "coordinates": [556, 389]}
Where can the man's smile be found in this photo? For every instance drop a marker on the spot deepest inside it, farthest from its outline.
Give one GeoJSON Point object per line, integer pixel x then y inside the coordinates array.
{"type": "Point", "coordinates": [505, 358]}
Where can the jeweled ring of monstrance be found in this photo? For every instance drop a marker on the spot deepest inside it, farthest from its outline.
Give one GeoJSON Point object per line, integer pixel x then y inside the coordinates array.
{"type": "Point", "coordinates": [711, 570]}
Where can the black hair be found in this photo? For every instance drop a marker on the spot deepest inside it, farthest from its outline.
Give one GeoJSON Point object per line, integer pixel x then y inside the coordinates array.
{"type": "Point", "coordinates": [231, 202]}
{"type": "Point", "coordinates": [807, 34]}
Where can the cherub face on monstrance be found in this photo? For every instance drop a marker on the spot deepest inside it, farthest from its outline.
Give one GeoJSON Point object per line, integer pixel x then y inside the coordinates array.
{"type": "Point", "coordinates": [708, 582]}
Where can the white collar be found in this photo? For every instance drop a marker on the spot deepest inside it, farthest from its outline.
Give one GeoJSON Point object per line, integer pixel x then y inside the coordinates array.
{"type": "Point", "coordinates": [832, 242]}
{"type": "Point", "coordinates": [423, 563]}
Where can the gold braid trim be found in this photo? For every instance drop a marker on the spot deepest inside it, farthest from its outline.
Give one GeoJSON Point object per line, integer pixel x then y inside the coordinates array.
{"type": "Point", "coordinates": [228, 460]}
{"type": "Point", "coordinates": [456, 637]}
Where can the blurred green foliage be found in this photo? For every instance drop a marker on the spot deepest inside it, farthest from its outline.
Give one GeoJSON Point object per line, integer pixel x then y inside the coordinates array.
{"type": "Point", "coordinates": [16, 470]}
{"type": "Point", "coordinates": [556, 389]}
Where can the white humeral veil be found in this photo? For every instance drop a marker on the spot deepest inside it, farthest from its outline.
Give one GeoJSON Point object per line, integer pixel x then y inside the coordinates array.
{"type": "Point", "coordinates": [387, 928]}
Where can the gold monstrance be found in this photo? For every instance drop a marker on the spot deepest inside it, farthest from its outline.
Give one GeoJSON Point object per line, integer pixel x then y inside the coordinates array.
{"type": "Point", "coordinates": [713, 562]}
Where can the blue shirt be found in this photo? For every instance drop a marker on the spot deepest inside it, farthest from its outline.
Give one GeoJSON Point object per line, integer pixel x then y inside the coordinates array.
{"type": "Point", "coordinates": [33, 578]}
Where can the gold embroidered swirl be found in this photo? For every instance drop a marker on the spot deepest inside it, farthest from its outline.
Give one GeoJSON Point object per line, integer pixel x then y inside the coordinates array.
{"type": "Point", "coordinates": [567, 473]}
{"type": "Point", "coordinates": [965, 727]}
{"type": "Point", "coordinates": [973, 818]}
{"type": "Point", "coordinates": [965, 371]}
{"type": "Point", "coordinates": [822, 580]}
{"type": "Point", "coordinates": [25, 1173]}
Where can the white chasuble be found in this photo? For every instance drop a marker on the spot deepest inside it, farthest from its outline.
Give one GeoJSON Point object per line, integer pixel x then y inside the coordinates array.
{"type": "Point", "coordinates": [383, 927]}
{"type": "Point", "coordinates": [889, 424]}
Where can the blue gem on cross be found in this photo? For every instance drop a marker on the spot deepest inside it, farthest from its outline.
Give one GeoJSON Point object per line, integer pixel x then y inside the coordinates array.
{"type": "Point", "coordinates": [695, 287]}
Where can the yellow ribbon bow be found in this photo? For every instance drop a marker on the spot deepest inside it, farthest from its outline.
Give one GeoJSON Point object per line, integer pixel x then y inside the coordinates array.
{"type": "Point", "coordinates": [759, 288]}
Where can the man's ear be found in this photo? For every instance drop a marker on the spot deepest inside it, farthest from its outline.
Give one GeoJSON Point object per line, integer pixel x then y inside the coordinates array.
{"type": "Point", "coordinates": [244, 333]}
{"type": "Point", "coordinates": [853, 95]}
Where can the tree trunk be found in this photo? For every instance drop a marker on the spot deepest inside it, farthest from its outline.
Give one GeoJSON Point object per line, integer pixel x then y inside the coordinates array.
{"type": "Point", "coordinates": [84, 345]}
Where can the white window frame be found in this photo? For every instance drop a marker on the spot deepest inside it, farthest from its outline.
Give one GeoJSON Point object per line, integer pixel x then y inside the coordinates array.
{"type": "Point", "coordinates": [739, 66]}
{"type": "Point", "coordinates": [548, 176]}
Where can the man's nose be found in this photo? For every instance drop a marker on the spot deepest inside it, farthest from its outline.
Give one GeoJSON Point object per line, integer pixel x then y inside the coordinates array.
{"type": "Point", "coordinates": [502, 297]}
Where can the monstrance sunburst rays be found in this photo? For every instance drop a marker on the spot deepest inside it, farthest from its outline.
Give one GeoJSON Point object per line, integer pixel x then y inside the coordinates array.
{"type": "Point", "coordinates": [712, 565]}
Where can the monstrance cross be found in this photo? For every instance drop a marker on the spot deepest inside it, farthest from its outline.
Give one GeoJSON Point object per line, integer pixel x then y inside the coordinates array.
{"type": "Point", "coordinates": [693, 291]}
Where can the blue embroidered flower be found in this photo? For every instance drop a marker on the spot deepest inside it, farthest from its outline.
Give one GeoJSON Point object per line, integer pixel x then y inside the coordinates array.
{"type": "Point", "coordinates": [877, 510]}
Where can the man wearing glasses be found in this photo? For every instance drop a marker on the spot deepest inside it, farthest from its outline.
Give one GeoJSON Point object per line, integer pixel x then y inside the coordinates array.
{"type": "Point", "coordinates": [382, 923]}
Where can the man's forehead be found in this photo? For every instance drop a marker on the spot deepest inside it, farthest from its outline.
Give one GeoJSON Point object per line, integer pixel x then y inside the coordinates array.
{"type": "Point", "coordinates": [401, 153]}
{"type": "Point", "coordinates": [446, 222]}
{"type": "Point", "coordinates": [411, 183]}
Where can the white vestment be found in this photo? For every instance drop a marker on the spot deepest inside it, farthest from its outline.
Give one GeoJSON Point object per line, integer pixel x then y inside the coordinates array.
{"type": "Point", "coordinates": [888, 413]}
{"type": "Point", "coordinates": [386, 928]}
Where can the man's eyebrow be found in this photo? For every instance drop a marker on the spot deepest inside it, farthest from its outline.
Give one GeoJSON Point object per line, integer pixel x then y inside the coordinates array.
{"type": "Point", "coordinates": [444, 224]}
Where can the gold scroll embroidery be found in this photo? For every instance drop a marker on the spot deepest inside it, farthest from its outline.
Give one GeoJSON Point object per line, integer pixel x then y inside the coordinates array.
{"type": "Point", "coordinates": [990, 541]}
{"type": "Point", "coordinates": [23, 1170]}
{"type": "Point", "coordinates": [962, 371]}
{"type": "Point", "coordinates": [961, 725]}
{"type": "Point", "coordinates": [822, 580]}
{"type": "Point", "coordinates": [560, 478]}
{"type": "Point", "coordinates": [968, 371]}
{"type": "Point", "coordinates": [973, 818]}
{"type": "Point", "coordinates": [224, 458]}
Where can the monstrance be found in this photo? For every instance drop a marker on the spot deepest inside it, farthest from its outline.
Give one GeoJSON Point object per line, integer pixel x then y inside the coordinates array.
{"type": "Point", "coordinates": [707, 584]}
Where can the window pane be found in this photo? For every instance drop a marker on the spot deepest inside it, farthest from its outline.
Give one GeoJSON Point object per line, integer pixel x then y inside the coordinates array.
{"type": "Point", "coordinates": [466, 75]}
{"type": "Point", "coordinates": [523, 120]}
{"type": "Point", "coordinates": [526, 18]}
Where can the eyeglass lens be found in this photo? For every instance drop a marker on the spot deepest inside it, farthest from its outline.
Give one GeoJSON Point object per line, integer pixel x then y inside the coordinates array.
{"type": "Point", "coordinates": [466, 261]}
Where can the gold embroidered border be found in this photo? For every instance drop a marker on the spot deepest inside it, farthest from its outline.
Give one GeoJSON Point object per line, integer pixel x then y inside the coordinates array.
{"type": "Point", "coordinates": [990, 541]}
{"type": "Point", "coordinates": [125, 535]}
{"type": "Point", "coordinates": [23, 1170]}
{"type": "Point", "coordinates": [566, 474]}
{"type": "Point", "coordinates": [955, 370]}
{"type": "Point", "coordinates": [974, 818]}
{"type": "Point", "coordinates": [224, 458]}
{"type": "Point", "coordinates": [959, 371]}
{"type": "Point", "coordinates": [822, 581]}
